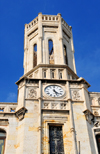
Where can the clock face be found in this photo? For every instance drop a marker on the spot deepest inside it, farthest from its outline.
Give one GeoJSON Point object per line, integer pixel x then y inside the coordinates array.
{"type": "Point", "coordinates": [54, 91]}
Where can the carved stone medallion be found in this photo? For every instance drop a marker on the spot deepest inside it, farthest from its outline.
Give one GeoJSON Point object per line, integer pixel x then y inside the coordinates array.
{"type": "Point", "coordinates": [32, 93]}
{"type": "Point", "coordinates": [75, 95]}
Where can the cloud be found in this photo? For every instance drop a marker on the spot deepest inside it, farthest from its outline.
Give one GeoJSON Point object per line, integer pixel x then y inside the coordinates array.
{"type": "Point", "coordinates": [12, 97]}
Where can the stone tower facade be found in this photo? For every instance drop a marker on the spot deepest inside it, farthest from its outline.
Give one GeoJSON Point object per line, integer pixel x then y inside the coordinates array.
{"type": "Point", "coordinates": [55, 112]}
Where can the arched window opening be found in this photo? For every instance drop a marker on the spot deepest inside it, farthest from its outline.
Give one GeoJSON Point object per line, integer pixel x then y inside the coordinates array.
{"type": "Point", "coordinates": [35, 55]}
{"type": "Point", "coordinates": [65, 54]}
{"type": "Point", "coordinates": [99, 100]}
{"type": "Point", "coordinates": [51, 52]}
{"type": "Point", "coordinates": [2, 141]}
{"type": "Point", "coordinates": [98, 142]}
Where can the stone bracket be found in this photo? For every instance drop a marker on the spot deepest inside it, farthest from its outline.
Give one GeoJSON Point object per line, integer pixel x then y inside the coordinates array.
{"type": "Point", "coordinates": [20, 113]}
{"type": "Point", "coordinates": [89, 116]}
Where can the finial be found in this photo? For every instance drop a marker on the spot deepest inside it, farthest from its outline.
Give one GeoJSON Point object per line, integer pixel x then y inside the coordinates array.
{"type": "Point", "coordinates": [59, 14]}
{"type": "Point", "coordinates": [39, 13]}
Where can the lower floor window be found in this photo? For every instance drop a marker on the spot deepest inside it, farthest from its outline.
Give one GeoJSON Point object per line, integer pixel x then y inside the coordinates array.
{"type": "Point", "coordinates": [98, 142]}
{"type": "Point", "coordinates": [56, 140]}
{"type": "Point", "coordinates": [2, 141]}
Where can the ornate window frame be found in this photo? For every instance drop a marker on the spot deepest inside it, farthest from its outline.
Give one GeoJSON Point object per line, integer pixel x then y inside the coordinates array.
{"type": "Point", "coordinates": [49, 122]}
{"type": "Point", "coordinates": [94, 136]}
{"type": "Point", "coordinates": [3, 137]}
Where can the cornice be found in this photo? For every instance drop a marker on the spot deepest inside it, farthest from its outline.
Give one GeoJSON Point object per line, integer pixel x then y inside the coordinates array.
{"type": "Point", "coordinates": [49, 66]}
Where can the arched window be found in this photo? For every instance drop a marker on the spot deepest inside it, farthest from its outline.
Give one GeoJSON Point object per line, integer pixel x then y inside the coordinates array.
{"type": "Point", "coordinates": [65, 54]}
{"type": "Point", "coordinates": [51, 52]}
{"type": "Point", "coordinates": [99, 100]}
{"type": "Point", "coordinates": [98, 142]}
{"type": "Point", "coordinates": [2, 141]}
{"type": "Point", "coordinates": [35, 55]}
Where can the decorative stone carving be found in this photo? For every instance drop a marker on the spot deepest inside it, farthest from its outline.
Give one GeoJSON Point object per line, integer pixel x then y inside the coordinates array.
{"type": "Point", "coordinates": [20, 113]}
{"type": "Point", "coordinates": [72, 130]}
{"type": "Point", "coordinates": [97, 123]}
{"type": "Point", "coordinates": [89, 116]}
{"type": "Point", "coordinates": [75, 95]}
{"type": "Point", "coordinates": [54, 105]}
{"type": "Point", "coordinates": [46, 105]}
{"type": "Point", "coordinates": [32, 93]}
{"type": "Point", "coordinates": [63, 105]}
{"type": "Point", "coordinates": [96, 113]}
{"type": "Point", "coordinates": [94, 101]}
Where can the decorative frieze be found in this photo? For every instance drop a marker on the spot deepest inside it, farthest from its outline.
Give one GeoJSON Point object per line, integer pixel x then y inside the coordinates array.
{"type": "Point", "coordinates": [46, 105]}
{"type": "Point", "coordinates": [54, 105]}
{"type": "Point", "coordinates": [63, 106]}
{"type": "Point", "coordinates": [7, 108]}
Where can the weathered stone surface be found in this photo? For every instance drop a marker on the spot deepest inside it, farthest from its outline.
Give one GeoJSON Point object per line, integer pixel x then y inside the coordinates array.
{"type": "Point", "coordinates": [69, 106]}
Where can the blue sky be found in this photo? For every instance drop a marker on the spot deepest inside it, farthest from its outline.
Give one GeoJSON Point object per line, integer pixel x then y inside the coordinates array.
{"type": "Point", "coordinates": [82, 15]}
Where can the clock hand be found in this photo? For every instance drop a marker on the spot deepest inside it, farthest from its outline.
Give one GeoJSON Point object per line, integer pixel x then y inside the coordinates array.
{"type": "Point", "coordinates": [54, 91]}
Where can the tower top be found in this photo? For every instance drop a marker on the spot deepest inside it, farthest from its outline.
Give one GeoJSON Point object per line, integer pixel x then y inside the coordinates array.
{"type": "Point", "coordinates": [48, 42]}
{"type": "Point", "coordinates": [50, 19]}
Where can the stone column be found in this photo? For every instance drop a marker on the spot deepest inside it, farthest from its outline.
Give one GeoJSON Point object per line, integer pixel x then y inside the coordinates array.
{"type": "Point", "coordinates": [61, 39]}
{"type": "Point", "coordinates": [85, 98]}
{"type": "Point", "coordinates": [25, 49]}
{"type": "Point", "coordinates": [72, 129]}
{"type": "Point", "coordinates": [39, 45]}
{"type": "Point", "coordinates": [39, 128]}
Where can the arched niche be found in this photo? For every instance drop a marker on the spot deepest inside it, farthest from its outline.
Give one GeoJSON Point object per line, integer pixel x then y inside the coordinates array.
{"type": "Point", "coordinates": [34, 55]}
{"type": "Point", "coordinates": [65, 54]}
{"type": "Point", "coordinates": [51, 51]}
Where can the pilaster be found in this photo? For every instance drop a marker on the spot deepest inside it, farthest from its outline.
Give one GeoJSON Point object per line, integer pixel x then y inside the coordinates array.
{"type": "Point", "coordinates": [39, 47]}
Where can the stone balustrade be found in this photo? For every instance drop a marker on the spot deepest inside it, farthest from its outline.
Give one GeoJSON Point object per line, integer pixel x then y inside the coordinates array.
{"type": "Point", "coordinates": [65, 24]}
{"type": "Point", "coordinates": [32, 23]}
{"type": "Point", "coordinates": [8, 107]}
{"type": "Point", "coordinates": [49, 18]}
